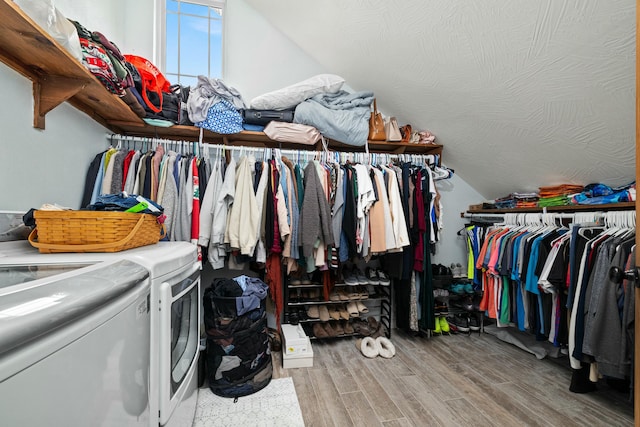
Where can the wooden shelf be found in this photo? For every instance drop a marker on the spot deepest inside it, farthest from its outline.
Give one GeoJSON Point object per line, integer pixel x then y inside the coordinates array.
{"type": "Point", "coordinates": [58, 77]}
{"type": "Point", "coordinates": [259, 139]}
{"type": "Point", "coordinates": [566, 208]}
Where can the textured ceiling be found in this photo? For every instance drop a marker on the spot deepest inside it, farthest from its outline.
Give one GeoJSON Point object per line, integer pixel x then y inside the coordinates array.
{"type": "Point", "coordinates": [521, 93]}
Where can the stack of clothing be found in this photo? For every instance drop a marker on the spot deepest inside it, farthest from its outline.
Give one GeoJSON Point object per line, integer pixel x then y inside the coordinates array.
{"type": "Point", "coordinates": [507, 202]}
{"type": "Point", "coordinates": [526, 200]}
{"type": "Point", "coordinates": [557, 195]}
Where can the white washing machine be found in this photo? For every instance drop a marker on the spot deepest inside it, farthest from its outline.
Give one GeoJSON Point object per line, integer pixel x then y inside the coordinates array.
{"type": "Point", "coordinates": [174, 312]}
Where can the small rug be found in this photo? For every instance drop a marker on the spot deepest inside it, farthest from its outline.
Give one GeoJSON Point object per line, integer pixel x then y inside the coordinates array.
{"type": "Point", "coordinates": [524, 340]}
{"type": "Point", "coordinates": [275, 405]}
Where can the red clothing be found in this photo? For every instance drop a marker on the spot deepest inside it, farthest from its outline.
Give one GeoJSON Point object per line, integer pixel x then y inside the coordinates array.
{"type": "Point", "coordinates": [273, 278]}
{"type": "Point", "coordinates": [195, 214]}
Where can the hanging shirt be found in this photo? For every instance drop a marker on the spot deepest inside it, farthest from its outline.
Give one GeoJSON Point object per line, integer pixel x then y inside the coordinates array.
{"type": "Point", "coordinates": [244, 216]}
{"type": "Point", "coordinates": [364, 201]}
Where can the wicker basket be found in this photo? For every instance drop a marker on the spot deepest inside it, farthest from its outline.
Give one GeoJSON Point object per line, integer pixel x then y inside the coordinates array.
{"type": "Point", "coordinates": [93, 231]}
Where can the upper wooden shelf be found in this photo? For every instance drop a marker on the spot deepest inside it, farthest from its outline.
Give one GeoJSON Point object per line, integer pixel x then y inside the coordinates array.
{"type": "Point", "coordinates": [566, 208]}
{"type": "Point", "coordinates": [259, 139]}
{"type": "Point", "coordinates": [58, 77]}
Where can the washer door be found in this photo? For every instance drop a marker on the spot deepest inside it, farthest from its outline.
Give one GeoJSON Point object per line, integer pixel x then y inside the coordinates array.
{"type": "Point", "coordinates": [179, 341]}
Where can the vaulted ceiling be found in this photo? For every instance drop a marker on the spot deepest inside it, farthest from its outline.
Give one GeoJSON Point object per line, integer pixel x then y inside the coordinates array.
{"type": "Point", "coordinates": [521, 93]}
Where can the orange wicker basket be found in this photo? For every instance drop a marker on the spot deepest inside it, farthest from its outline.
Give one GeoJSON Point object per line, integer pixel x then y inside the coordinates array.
{"type": "Point", "coordinates": [93, 231]}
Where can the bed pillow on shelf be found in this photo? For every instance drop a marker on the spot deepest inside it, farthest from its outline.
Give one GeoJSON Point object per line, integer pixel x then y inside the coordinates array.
{"type": "Point", "coordinates": [290, 96]}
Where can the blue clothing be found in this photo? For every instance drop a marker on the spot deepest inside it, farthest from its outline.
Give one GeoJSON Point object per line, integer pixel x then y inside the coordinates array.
{"type": "Point", "coordinates": [253, 291]}
{"type": "Point", "coordinates": [97, 187]}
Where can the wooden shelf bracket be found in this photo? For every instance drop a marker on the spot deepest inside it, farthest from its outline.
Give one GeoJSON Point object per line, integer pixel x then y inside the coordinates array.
{"type": "Point", "coordinates": [51, 91]}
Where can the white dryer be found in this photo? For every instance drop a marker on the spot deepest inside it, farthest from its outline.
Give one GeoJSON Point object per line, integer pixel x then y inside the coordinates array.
{"type": "Point", "coordinates": [174, 313]}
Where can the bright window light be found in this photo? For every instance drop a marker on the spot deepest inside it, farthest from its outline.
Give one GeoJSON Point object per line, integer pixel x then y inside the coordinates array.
{"type": "Point", "coordinates": [192, 40]}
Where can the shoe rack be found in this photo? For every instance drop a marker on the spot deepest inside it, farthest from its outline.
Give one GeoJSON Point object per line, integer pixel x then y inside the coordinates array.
{"type": "Point", "coordinates": [346, 313]}
{"type": "Point", "coordinates": [461, 305]}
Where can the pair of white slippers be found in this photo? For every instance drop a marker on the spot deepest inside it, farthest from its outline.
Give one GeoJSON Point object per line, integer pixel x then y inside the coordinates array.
{"type": "Point", "coordinates": [380, 346]}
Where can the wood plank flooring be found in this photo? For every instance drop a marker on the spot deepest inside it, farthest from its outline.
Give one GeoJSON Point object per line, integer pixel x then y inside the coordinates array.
{"type": "Point", "coordinates": [457, 380]}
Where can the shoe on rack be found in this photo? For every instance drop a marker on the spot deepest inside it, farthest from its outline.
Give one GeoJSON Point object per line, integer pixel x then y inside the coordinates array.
{"type": "Point", "coordinates": [352, 309]}
{"type": "Point", "coordinates": [454, 271]}
{"type": "Point", "coordinates": [334, 313]}
{"type": "Point", "coordinates": [319, 331]}
{"type": "Point", "coordinates": [444, 325]}
{"type": "Point", "coordinates": [361, 327]}
{"type": "Point", "coordinates": [349, 278]}
{"type": "Point", "coordinates": [348, 327]}
{"type": "Point", "coordinates": [462, 272]}
{"type": "Point", "coordinates": [453, 329]}
{"type": "Point", "coordinates": [461, 322]}
{"type": "Point", "coordinates": [359, 275]}
{"type": "Point", "coordinates": [323, 313]}
{"type": "Point", "coordinates": [474, 323]}
{"type": "Point", "coordinates": [361, 307]}
{"type": "Point", "coordinates": [373, 324]}
{"type": "Point", "coordinates": [476, 302]}
{"type": "Point", "coordinates": [313, 312]}
{"type": "Point", "coordinates": [468, 288]}
{"type": "Point", "coordinates": [337, 326]}
{"type": "Point", "coordinates": [364, 293]}
{"type": "Point", "coordinates": [383, 278]}
{"type": "Point", "coordinates": [330, 330]}
{"type": "Point", "coordinates": [342, 295]}
{"type": "Point", "coordinates": [457, 288]}
{"type": "Point", "coordinates": [372, 276]}
{"type": "Point", "coordinates": [467, 303]}
{"type": "Point", "coordinates": [437, 329]}
{"type": "Point", "coordinates": [441, 308]}
{"type": "Point", "coordinates": [344, 313]}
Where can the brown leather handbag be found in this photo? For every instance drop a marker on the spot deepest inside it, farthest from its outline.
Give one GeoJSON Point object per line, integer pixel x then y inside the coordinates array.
{"type": "Point", "coordinates": [376, 125]}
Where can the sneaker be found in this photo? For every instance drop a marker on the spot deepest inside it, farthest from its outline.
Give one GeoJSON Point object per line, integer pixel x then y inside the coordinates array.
{"type": "Point", "coordinates": [383, 278]}
{"type": "Point", "coordinates": [441, 308]}
{"type": "Point", "coordinates": [461, 322]}
{"type": "Point", "coordinates": [349, 278]}
{"type": "Point", "coordinates": [454, 271]}
{"type": "Point", "coordinates": [438, 329]}
{"type": "Point", "coordinates": [457, 288]}
{"type": "Point", "coordinates": [359, 275]}
{"type": "Point", "coordinates": [444, 325]}
{"type": "Point", "coordinates": [453, 329]}
{"type": "Point", "coordinates": [467, 303]}
{"type": "Point", "coordinates": [372, 276]}
{"type": "Point", "coordinates": [462, 272]}
{"type": "Point", "coordinates": [474, 323]}
{"type": "Point", "coordinates": [468, 288]}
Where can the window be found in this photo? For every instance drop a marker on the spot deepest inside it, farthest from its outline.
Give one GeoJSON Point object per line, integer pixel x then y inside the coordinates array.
{"type": "Point", "coordinates": [192, 40]}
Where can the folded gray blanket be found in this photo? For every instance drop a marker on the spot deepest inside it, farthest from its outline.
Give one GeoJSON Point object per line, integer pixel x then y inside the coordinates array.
{"type": "Point", "coordinates": [341, 116]}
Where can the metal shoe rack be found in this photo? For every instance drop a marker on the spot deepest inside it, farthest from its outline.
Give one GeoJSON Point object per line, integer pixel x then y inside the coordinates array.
{"type": "Point", "coordinates": [294, 307]}
{"type": "Point", "coordinates": [443, 282]}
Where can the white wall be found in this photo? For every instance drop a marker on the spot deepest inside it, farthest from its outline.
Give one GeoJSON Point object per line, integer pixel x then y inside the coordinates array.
{"type": "Point", "coordinates": [258, 57]}
{"type": "Point", "coordinates": [456, 196]}
{"type": "Point", "coordinates": [49, 166]}
{"type": "Point", "coordinates": [42, 166]}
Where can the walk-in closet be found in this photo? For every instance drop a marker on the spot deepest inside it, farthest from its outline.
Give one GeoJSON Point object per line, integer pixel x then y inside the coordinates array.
{"type": "Point", "coordinates": [293, 213]}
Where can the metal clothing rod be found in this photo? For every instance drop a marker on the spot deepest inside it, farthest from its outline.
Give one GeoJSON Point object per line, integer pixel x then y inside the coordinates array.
{"type": "Point", "coordinates": [600, 214]}
{"type": "Point", "coordinates": [337, 155]}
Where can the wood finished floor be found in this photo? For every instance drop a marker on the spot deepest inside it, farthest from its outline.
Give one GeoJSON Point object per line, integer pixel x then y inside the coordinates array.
{"type": "Point", "coordinates": [457, 380]}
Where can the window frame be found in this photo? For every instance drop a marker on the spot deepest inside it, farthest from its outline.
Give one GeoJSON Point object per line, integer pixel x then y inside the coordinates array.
{"type": "Point", "coordinates": [160, 39]}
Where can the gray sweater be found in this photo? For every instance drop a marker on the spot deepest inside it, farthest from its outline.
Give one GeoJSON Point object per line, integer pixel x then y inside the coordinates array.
{"type": "Point", "coordinates": [315, 216]}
